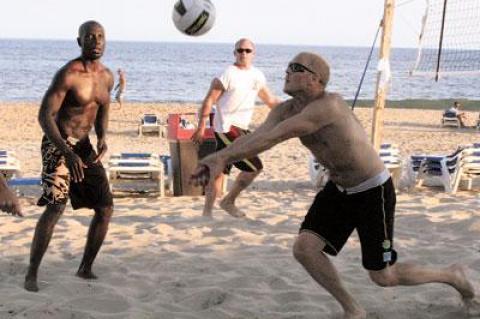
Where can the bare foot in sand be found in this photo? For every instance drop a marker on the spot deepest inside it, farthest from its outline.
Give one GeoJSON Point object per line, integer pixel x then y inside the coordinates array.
{"type": "Point", "coordinates": [230, 208]}
{"type": "Point", "coordinates": [30, 284]}
{"type": "Point", "coordinates": [358, 314]}
{"type": "Point", "coordinates": [207, 215]}
{"type": "Point", "coordinates": [86, 274]}
{"type": "Point", "coordinates": [461, 282]}
{"type": "Point", "coordinates": [465, 288]}
{"type": "Point", "coordinates": [472, 306]}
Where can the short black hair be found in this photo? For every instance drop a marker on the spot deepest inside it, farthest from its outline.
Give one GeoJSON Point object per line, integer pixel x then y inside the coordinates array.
{"type": "Point", "coordinates": [84, 26]}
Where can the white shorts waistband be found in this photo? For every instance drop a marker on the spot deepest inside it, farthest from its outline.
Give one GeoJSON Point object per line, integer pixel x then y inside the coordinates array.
{"type": "Point", "coordinates": [370, 183]}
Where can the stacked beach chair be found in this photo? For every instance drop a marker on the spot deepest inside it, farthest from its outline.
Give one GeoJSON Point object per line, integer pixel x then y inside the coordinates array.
{"type": "Point", "coordinates": [468, 167]}
{"type": "Point", "coordinates": [9, 165]}
{"type": "Point", "coordinates": [136, 173]}
{"type": "Point", "coordinates": [389, 154]}
{"type": "Point", "coordinates": [10, 168]}
{"type": "Point", "coordinates": [448, 171]}
{"type": "Point", "coordinates": [438, 170]}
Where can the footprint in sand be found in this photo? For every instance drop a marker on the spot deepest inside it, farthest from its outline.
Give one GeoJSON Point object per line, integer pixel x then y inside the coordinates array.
{"type": "Point", "coordinates": [205, 299]}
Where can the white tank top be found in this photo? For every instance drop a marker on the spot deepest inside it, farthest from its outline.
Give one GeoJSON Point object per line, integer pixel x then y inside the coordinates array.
{"type": "Point", "coordinates": [235, 106]}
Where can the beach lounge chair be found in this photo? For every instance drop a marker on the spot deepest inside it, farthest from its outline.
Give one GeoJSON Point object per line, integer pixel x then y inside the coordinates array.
{"type": "Point", "coordinates": [318, 173]}
{"type": "Point", "coordinates": [469, 168]}
{"type": "Point", "coordinates": [26, 186]}
{"type": "Point", "coordinates": [168, 171]}
{"type": "Point", "coordinates": [150, 123]}
{"type": "Point", "coordinates": [136, 173]}
{"type": "Point", "coordinates": [390, 155]}
{"type": "Point", "coordinates": [450, 119]}
{"type": "Point", "coordinates": [439, 171]}
{"type": "Point", "coordinates": [413, 164]}
{"type": "Point", "coordinates": [9, 165]}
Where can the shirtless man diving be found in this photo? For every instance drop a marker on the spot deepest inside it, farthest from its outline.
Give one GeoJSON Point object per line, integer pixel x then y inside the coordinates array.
{"type": "Point", "coordinates": [77, 100]}
{"type": "Point", "coordinates": [360, 194]}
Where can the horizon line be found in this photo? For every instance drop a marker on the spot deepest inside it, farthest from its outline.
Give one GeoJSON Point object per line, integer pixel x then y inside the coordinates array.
{"type": "Point", "coordinates": [207, 42]}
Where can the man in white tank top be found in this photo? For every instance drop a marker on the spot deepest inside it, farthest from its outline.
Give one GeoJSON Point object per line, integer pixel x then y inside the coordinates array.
{"type": "Point", "coordinates": [234, 93]}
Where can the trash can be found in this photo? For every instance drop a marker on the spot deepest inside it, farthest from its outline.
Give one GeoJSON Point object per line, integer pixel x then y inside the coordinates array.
{"type": "Point", "coordinates": [185, 154]}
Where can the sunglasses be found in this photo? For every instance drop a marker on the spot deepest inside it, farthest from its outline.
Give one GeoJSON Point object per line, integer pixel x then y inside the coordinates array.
{"type": "Point", "coordinates": [297, 67]}
{"type": "Point", "coordinates": [240, 50]}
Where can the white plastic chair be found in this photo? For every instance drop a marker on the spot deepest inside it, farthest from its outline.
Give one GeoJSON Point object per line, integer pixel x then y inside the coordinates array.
{"type": "Point", "coordinates": [450, 119]}
{"type": "Point", "coordinates": [150, 123]}
{"type": "Point", "coordinates": [469, 168]}
{"type": "Point", "coordinates": [390, 155]}
{"type": "Point", "coordinates": [136, 172]}
{"type": "Point", "coordinates": [439, 171]}
{"type": "Point", "coordinates": [413, 164]}
{"type": "Point", "coordinates": [318, 173]}
{"type": "Point", "coordinates": [9, 165]}
{"type": "Point", "coordinates": [26, 186]}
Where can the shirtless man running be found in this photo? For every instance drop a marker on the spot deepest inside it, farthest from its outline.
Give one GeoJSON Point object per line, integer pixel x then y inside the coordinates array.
{"type": "Point", "coordinates": [77, 100]}
{"type": "Point", "coordinates": [360, 194]}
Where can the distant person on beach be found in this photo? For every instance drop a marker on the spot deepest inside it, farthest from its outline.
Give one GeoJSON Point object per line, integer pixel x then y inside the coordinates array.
{"type": "Point", "coordinates": [120, 87]}
{"type": "Point", "coordinates": [234, 93]}
{"type": "Point", "coordinates": [455, 109]}
{"type": "Point", "coordinates": [359, 195]}
{"type": "Point", "coordinates": [8, 201]}
{"type": "Point", "coordinates": [77, 100]}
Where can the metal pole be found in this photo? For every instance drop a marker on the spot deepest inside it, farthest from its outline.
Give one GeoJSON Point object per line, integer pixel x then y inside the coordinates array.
{"type": "Point", "coordinates": [440, 44]}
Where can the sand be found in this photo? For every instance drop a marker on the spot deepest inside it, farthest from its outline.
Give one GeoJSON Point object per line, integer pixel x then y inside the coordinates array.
{"type": "Point", "coordinates": [161, 259]}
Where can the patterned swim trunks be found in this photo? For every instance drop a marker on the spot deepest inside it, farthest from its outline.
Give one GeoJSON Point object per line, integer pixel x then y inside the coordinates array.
{"type": "Point", "coordinates": [93, 191]}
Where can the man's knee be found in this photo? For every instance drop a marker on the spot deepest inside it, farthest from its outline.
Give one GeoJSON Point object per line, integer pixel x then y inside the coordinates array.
{"type": "Point", "coordinates": [54, 211]}
{"type": "Point", "coordinates": [105, 213]}
{"type": "Point", "coordinates": [306, 245]}
{"type": "Point", "coordinates": [384, 278]}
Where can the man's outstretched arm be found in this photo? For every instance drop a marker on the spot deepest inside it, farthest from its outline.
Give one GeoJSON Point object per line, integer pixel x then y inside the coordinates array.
{"type": "Point", "coordinates": [273, 131]}
{"type": "Point", "coordinates": [267, 136]}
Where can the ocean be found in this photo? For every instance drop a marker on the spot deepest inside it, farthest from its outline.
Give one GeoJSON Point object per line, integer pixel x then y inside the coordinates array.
{"type": "Point", "coordinates": [182, 72]}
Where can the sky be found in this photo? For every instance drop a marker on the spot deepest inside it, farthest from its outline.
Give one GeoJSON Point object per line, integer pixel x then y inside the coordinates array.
{"type": "Point", "coordinates": [304, 22]}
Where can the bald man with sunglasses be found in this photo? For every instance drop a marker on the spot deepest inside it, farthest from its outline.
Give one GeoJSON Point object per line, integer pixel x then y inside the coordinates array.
{"type": "Point", "coordinates": [360, 194]}
{"type": "Point", "coordinates": [234, 93]}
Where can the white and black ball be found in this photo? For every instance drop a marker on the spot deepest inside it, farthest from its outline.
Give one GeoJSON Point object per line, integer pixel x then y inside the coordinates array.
{"type": "Point", "coordinates": [193, 17]}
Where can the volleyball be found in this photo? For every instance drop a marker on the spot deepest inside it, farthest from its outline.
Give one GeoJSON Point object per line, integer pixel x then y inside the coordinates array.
{"type": "Point", "coordinates": [193, 17]}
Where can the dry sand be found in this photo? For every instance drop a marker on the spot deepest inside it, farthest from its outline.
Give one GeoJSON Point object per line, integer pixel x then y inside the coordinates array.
{"type": "Point", "coordinates": [161, 259]}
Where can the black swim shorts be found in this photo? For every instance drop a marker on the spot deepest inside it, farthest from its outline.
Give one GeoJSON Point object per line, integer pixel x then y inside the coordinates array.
{"type": "Point", "coordinates": [334, 215]}
{"type": "Point", "coordinates": [253, 164]}
{"type": "Point", "coordinates": [92, 192]}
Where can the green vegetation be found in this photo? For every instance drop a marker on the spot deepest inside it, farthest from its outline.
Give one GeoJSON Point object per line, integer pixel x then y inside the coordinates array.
{"type": "Point", "coordinates": [468, 105]}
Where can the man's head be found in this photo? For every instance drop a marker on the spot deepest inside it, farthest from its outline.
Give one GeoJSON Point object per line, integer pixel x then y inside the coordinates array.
{"type": "Point", "coordinates": [307, 72]}
{"type": "Point", "coordinates": [456, 104]}
{"type": "Point", "coordinates": [91, 38]}
{"type": "Point", "coordinates": [244, 53]}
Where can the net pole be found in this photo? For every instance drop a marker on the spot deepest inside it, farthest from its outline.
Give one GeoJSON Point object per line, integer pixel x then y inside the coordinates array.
{"type": "Point", "coordinates": [382, 74]}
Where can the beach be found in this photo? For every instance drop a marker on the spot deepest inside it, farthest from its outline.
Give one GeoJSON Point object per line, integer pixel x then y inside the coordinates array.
{"type": "Point", "coordinates": [161, 259]}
